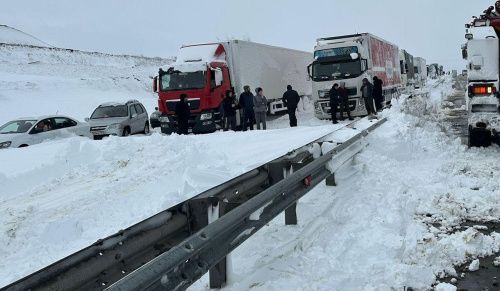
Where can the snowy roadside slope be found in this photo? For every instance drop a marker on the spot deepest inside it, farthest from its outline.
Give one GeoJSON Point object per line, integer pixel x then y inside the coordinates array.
{"type": "Point", "coordinates": [60, 196]}
{"type": "Point", "coordinates": [373, 231]}
{"type": "Point", "coordinates": [10, 35]}
{"type": "Point", "coordinates": [38, 81]}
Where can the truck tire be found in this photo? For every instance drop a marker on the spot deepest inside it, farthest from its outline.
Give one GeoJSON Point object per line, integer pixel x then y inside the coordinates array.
{"type": "Point", "coordinates": [479, 138]}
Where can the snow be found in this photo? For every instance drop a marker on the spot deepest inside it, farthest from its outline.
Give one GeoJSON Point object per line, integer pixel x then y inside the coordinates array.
{"type": "Point", "coordinates": [9, 35]}
{"type": "Point", "coordinates": [392, 221]}
{"type": "Point", "coordinates": [474, 265]}
{"type": "Point", "coordinates": [373, 231]}
{"type": "Point", "coordinates": [41, 81]}
{"type": "Point", "coordinates": [445, 287]}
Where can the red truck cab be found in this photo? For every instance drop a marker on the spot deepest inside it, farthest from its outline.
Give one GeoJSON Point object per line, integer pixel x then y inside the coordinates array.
{"type": "Point", "coordinates": [204, 77]}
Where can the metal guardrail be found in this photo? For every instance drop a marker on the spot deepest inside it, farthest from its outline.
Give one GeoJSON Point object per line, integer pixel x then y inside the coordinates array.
{"type": "Point", "coordinates": [185, 229]}
{"type": "Point", "coordinates": [185, 263]}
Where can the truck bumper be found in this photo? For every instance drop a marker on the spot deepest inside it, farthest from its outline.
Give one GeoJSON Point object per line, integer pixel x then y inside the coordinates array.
{"type": "Point", "coordinates": [195, 124]}
{"type": "Point", "coordinates": [322, 108]}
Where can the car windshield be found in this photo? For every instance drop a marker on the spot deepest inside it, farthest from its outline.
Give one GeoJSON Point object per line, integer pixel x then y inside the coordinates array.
{"type": "Point", "coordinates": [334, 71]}
{"type": "Point", "coordinates": [17, 126]}
{"type": "Point", "coordinates": [181, 81]}
{"type": "Point", "coordinates": [110, 111]}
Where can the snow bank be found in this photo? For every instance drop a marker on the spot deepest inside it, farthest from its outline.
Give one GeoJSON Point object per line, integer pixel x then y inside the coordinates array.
{"type": "Point", "coordinates": [375, 230]}
{"type": "Point", "coordinates": [11, 35]}
{"type": "Point", "coordinates": [61, 196]}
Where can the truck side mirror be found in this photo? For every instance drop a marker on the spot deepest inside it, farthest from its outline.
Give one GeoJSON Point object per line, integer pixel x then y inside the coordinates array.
{"type": "Point", "coordinates": [218, 77]}
{"type": "Point", "coordinates": [155, 84]}
{"type": "Point", "coordinates": [364, 65]}
{"type": "Point", "coordinates": [309, 71]}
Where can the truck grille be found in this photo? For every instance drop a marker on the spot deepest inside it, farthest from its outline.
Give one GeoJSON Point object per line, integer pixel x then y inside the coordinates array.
{"type": "Point", "coordinates": [193, 104]}
{"type": "Point", "coordinates": [350, 91]}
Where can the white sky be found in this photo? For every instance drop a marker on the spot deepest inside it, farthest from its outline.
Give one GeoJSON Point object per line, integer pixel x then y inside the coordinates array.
{"type": "Point", "coordinates": [433, 29]}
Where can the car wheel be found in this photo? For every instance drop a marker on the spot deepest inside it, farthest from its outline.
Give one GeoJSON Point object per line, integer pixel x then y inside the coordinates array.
{"type": "Point", "coordinates": [126, 131]}
{"type": "Point", "coordinates": [146, 128]}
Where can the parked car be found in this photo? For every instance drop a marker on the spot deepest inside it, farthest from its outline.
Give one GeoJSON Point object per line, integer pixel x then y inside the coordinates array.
{"type": "Point", "coordinates": [154, 119]}
{"type": "Point", "coordinates": [24, 132]}
{"type": "Point", "coordinates": [119, 118]}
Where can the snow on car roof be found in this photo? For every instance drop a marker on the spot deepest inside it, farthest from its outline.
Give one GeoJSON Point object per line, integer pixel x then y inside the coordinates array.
{"type": "Point", "coordinates": [43, 117]}
{"type": "Point", "coordinates": [114, 103]}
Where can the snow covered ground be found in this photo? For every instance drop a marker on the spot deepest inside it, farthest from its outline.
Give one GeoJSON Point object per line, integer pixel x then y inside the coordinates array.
{"type": "Point", "coordinates": [391, 222]}
{"type": "Point", "coordinates": [374, 231]}
{"type": "Point", "coordinates": [41, 81]}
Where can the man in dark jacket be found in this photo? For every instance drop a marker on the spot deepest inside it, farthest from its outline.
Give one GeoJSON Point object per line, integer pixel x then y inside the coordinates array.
{"type": "Point", "coordinates": [229, 106]}
{"type": "Point", "coordinates": [344, 101]}
{"type": "Point", "coordinates": [367, 93]}
{"type": "Point", "coordinates": [291, 100]}
{"type": "Point", "coordinates": [246, 104]}
{"type": "Point", "coordinates": [182, 112]}
{"type": "Point", "coordinates": [334, 102]}
{"type": "Point", "coordinates": [377, 92]}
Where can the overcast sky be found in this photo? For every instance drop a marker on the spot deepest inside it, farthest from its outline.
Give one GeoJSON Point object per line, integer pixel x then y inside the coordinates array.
{"type": "Point", "coordinates": [433, 29]}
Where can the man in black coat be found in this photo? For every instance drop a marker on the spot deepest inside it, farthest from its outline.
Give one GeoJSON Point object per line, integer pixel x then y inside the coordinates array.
{"type": "Point", "coordinates": [344, 101]}
{"type": "Point", "coordinates": [229, 105]}
{"type": "Point", "coordinates": [377, 92]}
{"type": "Point", "coordinates": [334, 102]}
{"type": "Point", "coordinates": [246, 104]}
{"type": "Point", "coordinates": [291, 100]}
{"type": "Point", "coordinates": [182, 112]}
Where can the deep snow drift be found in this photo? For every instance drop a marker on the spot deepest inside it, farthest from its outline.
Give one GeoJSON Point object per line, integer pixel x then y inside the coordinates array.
{"type": "Point", "coordinates": [374, 231]}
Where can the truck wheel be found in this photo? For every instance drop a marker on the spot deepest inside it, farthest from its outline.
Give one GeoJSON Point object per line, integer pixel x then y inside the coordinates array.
{"type": "Point", "coordinates": [126, 131]}
{"type": "Point", "coordinates": [146, 129]}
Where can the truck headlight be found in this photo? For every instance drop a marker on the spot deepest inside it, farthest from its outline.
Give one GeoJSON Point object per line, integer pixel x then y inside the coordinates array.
{"type": "Point", "coordinates": [163, 119]}
{"type": "Point", "coordinates": [321, 94]}
{"type": "Point", "coordinates": [206, 116]}
{"type": "Point", "coordinates": [4, 145]}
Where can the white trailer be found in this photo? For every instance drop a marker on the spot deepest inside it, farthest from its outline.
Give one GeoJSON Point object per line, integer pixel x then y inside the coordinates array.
{"type": "Point", "coordinates": [269, 67]}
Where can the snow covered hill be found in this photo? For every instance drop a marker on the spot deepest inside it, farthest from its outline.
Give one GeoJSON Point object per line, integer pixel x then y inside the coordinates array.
{"type": "Point", "coordinates": [39, 80]}
{"type": "Point", "coordinates": [9, 35]}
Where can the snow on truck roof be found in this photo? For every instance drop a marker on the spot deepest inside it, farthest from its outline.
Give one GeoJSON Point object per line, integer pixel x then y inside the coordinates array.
{"type": "Point", "coordinates": [195, 57]}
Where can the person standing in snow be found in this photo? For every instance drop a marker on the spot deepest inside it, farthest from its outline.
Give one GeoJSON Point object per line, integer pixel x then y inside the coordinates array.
{"type": "Point", "coordinates": [334, 102]}
{"type": "Point", "coordinates": [246, 104]}
{"type": "Point", "coordinates": [344, 101]}
{"type": "Point", "coordinates": [367, 93]}
{"type": "Point", "coordinates": [260, 108]}
{"type": "Point", "coordinates": [377, 92]}
{"type": "Point", "coordinates": [229, 106]}
{"type": "Point", "coordinates": [182, 112]}
{"type": "Point", "coordinates": [291, 100]}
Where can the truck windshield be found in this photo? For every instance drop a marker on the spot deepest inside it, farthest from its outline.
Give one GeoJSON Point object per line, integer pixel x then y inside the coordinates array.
{"type": "Point", "coordinates": [334, 71]}
{"type": "Point", "coordinates": [110, 111]}
{"type": "Point", "coordinates": [182, 81]}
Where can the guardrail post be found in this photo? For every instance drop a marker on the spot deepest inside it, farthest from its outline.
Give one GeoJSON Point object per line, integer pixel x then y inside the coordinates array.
{"type": "Point", "coordinates": [330, 180]}
{"type": "Point", "coordinates": [218, 274]}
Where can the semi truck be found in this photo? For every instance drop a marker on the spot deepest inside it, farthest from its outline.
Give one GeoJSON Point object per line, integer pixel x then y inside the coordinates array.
{"type": "Point", "coordinates": [420, 72]}
{"type": "Point", "coordinates": [350, 59]}
{"type": "Point", "coordinates": [482, 54]}
{"type": "Point", "coordinates": [407, 67]}
{"type": "Point", "coordinates": [204, 72]}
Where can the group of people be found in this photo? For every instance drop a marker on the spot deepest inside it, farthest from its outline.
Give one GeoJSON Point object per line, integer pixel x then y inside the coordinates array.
{"type": "Point", "coordinates": [253, 109]}
{"type": "Point", "coordinates": [371, 93]}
